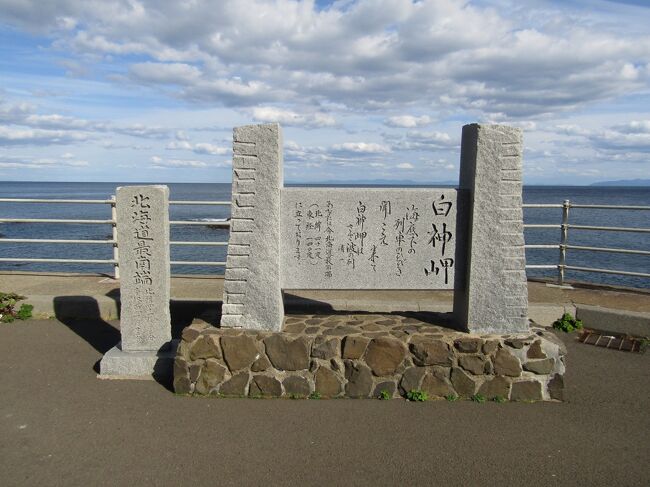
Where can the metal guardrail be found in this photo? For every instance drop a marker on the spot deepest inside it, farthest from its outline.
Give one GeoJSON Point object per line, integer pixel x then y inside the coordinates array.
{"type": "Point", "coordinates": [112, 241]}
{"type": "Point", "coordinates": [563, 246]}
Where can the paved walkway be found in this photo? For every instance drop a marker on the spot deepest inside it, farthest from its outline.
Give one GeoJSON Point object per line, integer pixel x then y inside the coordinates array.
{"type": "Point", "coordinates": [61, 426]}
{"type": "Point", "coordinates": [546, 301]}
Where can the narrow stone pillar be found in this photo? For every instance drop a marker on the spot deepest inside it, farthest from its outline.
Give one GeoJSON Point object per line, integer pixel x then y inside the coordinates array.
{"type": "Point", "coordinates": [252, 295]}
{"type": "Point", "coordinates": [145, 325]}
{"type": "Point", "coordinates": [492, 292]}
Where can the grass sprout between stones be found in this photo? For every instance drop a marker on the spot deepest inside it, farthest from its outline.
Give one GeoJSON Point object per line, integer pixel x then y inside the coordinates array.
{"type": "Point", "coordinates": [384, 395]}
{"type": "Point", "coordinates": [479, 398]}
{"type": "Point", "coordinates": [451, 397]}
{"type": "Point", "coordinates": [315, 395]}
{"type": "Point", "coordinates": [8, 311]}
{"type": "Point", "coordinates": [415, 395]}
{"type": "Point", "coordinates": [567, 323]}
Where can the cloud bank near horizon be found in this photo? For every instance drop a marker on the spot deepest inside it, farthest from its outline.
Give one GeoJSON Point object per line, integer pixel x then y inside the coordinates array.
{"type": "Point", "coordinates": [363, 87]}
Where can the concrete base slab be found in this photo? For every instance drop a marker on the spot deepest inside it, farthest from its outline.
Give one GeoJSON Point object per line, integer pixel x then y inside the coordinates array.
{"type": "Point", "coordinates": [614, 320]}
{"type": "Point", "coordinates": [142, 365]}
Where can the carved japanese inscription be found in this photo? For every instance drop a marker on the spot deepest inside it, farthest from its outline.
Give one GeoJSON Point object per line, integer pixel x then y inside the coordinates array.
{"type": "Point", "coordinates": [352, 238]}
{"type": "Point", "coordinates": [143, 239]}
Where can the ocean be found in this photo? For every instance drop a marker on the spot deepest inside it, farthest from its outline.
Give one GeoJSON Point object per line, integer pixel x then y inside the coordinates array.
{"type": "Point", "coordinates": [638, 196]}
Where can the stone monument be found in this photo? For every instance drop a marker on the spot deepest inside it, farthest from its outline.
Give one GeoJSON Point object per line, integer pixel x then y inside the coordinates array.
{"type": "Point", "coordinates": [145, 349]}
{"type": "Point", "coordinates": [468, 239]}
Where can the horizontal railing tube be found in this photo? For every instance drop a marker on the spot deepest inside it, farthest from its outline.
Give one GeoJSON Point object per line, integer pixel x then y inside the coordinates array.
{"type": "Point", "coordinates": [49, 240]}
{"type": "Point", "coordinates": [541, 266]}
{"type": "Point", "coordinates": [605, 249]}
{"type": "Point", "coordinates": [60, 261]}
{"type": "Point", "coordinates": [45, 200]}
{"type": "Point", "coordinates": [214, 244]}
{"type": "Point", "coordinates": [51, 220]}
{"type": "Point", "coordinates": [606, 271]}
{"type": "Point", "coordinates": [542, 225]}
{"type": "Point", "coordinates": [541, 205]}
{"type": "Point", "coordinates": [220, 224]}
{"type": "Point", "coordinates": [201, 203]}
{"type": "Point", "coordinates": [610, 207]}
{"type": "Point", "coordinates": [609, 229]}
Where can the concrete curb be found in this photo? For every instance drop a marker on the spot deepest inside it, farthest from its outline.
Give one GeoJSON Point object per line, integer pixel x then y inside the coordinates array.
{"type": "Point", "coordinates": [107, 308]}
{"type": "Point", "coordinates": [620, 321]}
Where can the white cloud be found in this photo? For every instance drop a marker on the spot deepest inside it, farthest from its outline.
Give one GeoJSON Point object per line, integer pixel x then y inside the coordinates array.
{"type": "Point", "coordinates": [405, 165]}
{"type": "Point", "coordinates": [362, 148]}
{"type": "Point", "coordinates": [291, 118]}
{"type": "Point", "coordinates": [408, 121]}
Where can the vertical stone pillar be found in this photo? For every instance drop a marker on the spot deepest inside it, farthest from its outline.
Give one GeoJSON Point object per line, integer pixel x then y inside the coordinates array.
{"type": "Point", "coordinates": [492, 292]}
{"type": "Point", "coordinates": [145, 325]}
{"type": "Point", "coordinates": [252, 295]}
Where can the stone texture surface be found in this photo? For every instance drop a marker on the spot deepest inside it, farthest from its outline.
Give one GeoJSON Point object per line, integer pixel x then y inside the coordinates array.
{"type": "Point", "coordinates": [384, 355]}
{"type": "Point", "coordinates": [430, 351]}
{"type": "Point", "coordinates": [264, 385]}
{"type": "Point", "coordinates": [143, 364]}
{"type": "Point", "coordinates": [328, 382]}
{"type": "Point", "coordinates": [252, 295]}
{"type": "Point", "coordinates": [296, 385]}
{"type": "Point", "coordinates": [505, 363]}
{"type": "Point", "coordinates": [143, 240]}
{"type": "Point", "coordinates": [412, 355]}
{"type": "Point", "coordinates": [491, 288]}
{"type": "Point", "coordinates": [287, 352]}
{"type": "Point", "coordinates": [311, 214]}
{"type": "Point", "coordinates": [355, 346]}
{"type": "Point", "coordinates": [239, 351]}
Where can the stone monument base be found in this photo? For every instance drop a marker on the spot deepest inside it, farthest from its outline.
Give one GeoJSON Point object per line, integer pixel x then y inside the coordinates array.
{"type": "Point", "coordinates": [365, 356]}
{"type": "Point", "coordinates": [143, 365]}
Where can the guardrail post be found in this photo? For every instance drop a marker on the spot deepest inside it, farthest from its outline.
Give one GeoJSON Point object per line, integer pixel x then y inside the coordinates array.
{"type": "Point", "coordinates": [563, 241]}
{"type": "Point", "coordinates": [116, 251]}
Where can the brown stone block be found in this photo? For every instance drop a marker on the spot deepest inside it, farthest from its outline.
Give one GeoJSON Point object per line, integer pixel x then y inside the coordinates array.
{"type": "Point", "coordinates": [206, 346]}
{"type": "Point", "coordinates": [468, 345]}
{"type": "Point", "coordinates": [526, 391]}
{"type": "Point", "coordinates": [212, 374]}
{"type": "Point", "coordinates": [430, 352]}
{"type": "Point", "coordinates": [388, 386]}
{"type": "Point", "coordinates": [490, 346]}
{"type": "Point", "coordinates": [263, 385]}
{"type": "Point", "coordinates": [192, 332]}
{"type": "Point", "coordinates": [384, 355]}
{"type": "Point", "coordinates": [328, 383]}
{"type": "Point", "coordinates": [359, 379]}
{"type": "Point", "coordinates": [541, 367]}
{"type": "Point", "coordinates": [506, 364]}
{"type": "Point", "coordinates": [556, 387]}
{"type": "Point", "coordinates": [411, 379]}
{"type": "Point", "coordinates": [535, 350]}
{"type": "Point", "coordinates": [236, 386]}
{"type": "Point", "coordinates": [261, 364]}
{"type": "Point", "coordinates": [472, 363]}
{"type": "Point", "coordinates": [288, 353]}
{"type": "Point", "coordinates": [499, 386]}
{"type": "Point", "coordinates": [463, 383]}
{"type": "Point", "coordinates": [325, 349]}
{"type": "Point", "coordinates": [239, 351]}
{"type": "Point", "coordinates": [354, 346]}
{"type": "Point", "coordinates": [435, 386]}
{"type": "Point", "coordinates": [296, 386]}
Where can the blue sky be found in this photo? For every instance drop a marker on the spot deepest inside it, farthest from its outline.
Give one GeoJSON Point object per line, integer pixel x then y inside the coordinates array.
{"type": "Point", "coordinates": [104, 90]}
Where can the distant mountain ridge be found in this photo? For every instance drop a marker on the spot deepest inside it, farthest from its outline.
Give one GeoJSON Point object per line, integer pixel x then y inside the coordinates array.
{"type": "Point", "coordinates": [623, 182]}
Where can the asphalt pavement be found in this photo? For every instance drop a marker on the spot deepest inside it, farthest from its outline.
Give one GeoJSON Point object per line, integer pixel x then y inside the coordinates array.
{"type": "Point", "coordinates": [61, 426]}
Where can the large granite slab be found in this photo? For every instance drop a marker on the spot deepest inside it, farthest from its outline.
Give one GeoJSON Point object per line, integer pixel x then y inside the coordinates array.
{"type": "Point", "coordinates": [368, 238]}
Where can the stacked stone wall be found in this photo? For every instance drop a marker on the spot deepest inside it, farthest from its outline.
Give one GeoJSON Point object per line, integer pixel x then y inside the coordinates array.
{"type": "Point", "coordinates": [359, 356]}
